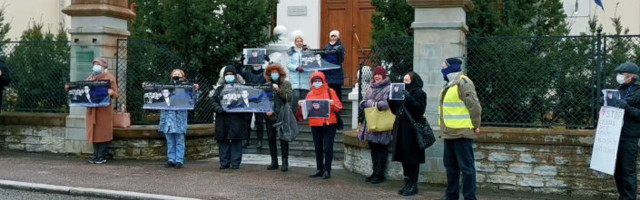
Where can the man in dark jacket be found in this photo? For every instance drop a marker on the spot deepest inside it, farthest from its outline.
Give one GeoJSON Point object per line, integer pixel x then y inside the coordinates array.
{"type": "Point", "coordinates": [5, 79]}
{"type": "Point", "coordinates": [255, 76]}
{"type": "Point", "coordinates": [625, 172]}
{"type": "Point", "coordinates": [230, 128]}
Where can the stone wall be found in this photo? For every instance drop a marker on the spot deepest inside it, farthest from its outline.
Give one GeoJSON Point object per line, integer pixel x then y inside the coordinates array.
{"type": "Point", "coordinates": [514, 159]}
{"type": "Point", "coordinates": [43, 132]}
{"type": "Point", "coordinates": [144, 142]}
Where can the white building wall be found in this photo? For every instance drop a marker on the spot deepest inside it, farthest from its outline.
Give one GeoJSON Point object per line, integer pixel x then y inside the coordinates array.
{"type": "Point", "coordinates": [309, 23]}
{"type": "Point", "coordinates": [21, 13]}
{"type": "Point", "coordinates": [580, 11]}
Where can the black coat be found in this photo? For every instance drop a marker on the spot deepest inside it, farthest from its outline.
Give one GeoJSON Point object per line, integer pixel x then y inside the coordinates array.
{"type": "Point", "coordinates": [254, 77]}
{"type": "Point", "coordinates": [631, 126]}
{"type": "Point", "coordinates": [405, 145]}
{"type": "Point", "coordinates": [229, 126]}
{"type": "Point", "coordinates": [5, 79]}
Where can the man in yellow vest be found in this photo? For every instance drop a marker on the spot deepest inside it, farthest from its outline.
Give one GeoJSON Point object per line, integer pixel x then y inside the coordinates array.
{"type": "Point", "coordinates": [459, 122]}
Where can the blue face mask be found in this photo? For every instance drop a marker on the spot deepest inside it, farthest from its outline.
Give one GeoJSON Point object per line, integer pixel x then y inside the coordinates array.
{"type": "Point", "coordinates": [317, 85]}
{"type": "Point", "coordinates": [257, 68]}
{"type": "Point", "coordinates": [448, 70]}
{"type": "Point", "coordinates": [229, 78]}
{"type": "Point", "coordinates": [275, 76]}
{"type": "Point", "coordinates": [97, 69]}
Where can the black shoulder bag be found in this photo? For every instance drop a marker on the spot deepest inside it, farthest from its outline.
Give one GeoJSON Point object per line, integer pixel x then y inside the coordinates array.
{"type": "Point", "coordinates": [340, 123]}
{"type": "Point", "coordinates": [424, 133]}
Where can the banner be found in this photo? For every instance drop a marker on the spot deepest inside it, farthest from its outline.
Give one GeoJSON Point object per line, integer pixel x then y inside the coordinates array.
{"type": "Point", "coordinates": [89, 94]}
{"type": "Point", "coordinates": [247, 98]}
{"type": "Point", "coordinates": [605, 144]}
{"type": "Point", "coordinates": [312, 60]}
{"type": "Point", "coordinates": [315, 108]}
{"type": "Point", "coordinates": [397, 91]}
{"type": "Point", "coordinates": [169, 97]}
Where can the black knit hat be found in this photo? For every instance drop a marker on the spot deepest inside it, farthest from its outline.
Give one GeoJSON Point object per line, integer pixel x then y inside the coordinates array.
{"type": "Point", "coordinates": [628, 67]}
{"type": "Point", "coordinates": [453, 61]}
{"type": "Point", "coordinates": [229, 68]}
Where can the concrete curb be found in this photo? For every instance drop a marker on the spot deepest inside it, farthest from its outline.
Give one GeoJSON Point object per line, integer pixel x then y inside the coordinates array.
{"type": "Point", "coordinates": [80, 191]}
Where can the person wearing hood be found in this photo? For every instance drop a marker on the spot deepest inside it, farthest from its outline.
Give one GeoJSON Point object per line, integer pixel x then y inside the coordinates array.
{"type": "Point", "coordinates": [230, 128]}
{"type": "Point", "coordinates": [378, 141]}
{"type": "Point", "coordinates": [99, 120]}
{"type": "Point", "coordinates": [255, 76]}
{"type": "Point", "coordinates": [276, 76]}
{"type": "Point", "coordinates": [298, 77]}
{"type": "Point", "coordinates": [405, 148]}
{"type": "Point", "coordinates": [335, 77]}
{"type": "Point", "coordinates": [323, 129]}
{"type": "Point", "coordinates": [460, 117]}
{"type": "Point", "coordinates": [625, 173]}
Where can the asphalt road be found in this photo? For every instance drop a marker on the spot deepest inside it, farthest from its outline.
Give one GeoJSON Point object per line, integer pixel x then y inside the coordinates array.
{"type": "Point", "coordinates": [30, 195]}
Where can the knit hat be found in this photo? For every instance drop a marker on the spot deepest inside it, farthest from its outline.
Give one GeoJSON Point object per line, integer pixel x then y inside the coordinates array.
{"type": "Point", "coordinates": [453, 65]}
{"type": "Point", "coordinates": [453, 61]}
{"type": "Point", "coordinates": [334, 32]}
{"type": "Point", "coordinates": [229, 68]}
{"type": "Point", "coordinates": [381, 71]}
{"type": "Point", "coordinates": [628, 67]}
{"type": "Point", "coordinates": [101, 61]}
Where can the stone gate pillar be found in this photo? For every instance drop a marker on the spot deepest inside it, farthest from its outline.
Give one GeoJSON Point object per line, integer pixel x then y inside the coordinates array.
{"type": "Point", "coordinates": [439, 32]}
{"type": "Point", "coordinates": [96, 26]}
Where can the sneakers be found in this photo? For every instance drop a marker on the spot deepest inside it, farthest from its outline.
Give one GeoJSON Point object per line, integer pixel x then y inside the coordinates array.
{"type": "Point", "coordinates": [93, 160]}
{"type": "Point", "coordinates": [100, 161]}
{"type": "Point", "coordinates": [178, 166]}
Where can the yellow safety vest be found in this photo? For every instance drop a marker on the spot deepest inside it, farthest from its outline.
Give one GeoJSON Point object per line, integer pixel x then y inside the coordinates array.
{"type": "Point", "coordinates": [454, 113]}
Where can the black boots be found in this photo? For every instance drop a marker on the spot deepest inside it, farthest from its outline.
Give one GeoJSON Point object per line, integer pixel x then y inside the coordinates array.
{"type": "Point", "coordinates": [318, 173]}
{"type": "Point", "coordinates": [274, 163]}
{"type": "Point", "coordinates": [406, 183]}
{"type": "Point", "coordinates": [411, 187]}
{"type": "Point", "coordinates": [327, 175]}
{"type": "Point", "coordinates": [378, 179]}
{"type": "Point", "coordinates": [368, 179]}
{"type": "Point", "coordinates": [284, 146]}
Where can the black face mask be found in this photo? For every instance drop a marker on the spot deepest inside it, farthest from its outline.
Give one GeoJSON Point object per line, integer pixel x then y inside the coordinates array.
{"type": "Point", "coordinates": [176, 78]}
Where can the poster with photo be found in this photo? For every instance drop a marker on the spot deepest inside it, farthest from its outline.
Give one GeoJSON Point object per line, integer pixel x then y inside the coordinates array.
{"type": "Point", "coordinates": [611, 97]}
{"type": "Point", "coordinates": [247, 98]}
{"type": "Point", "coordinates": [89, 94]}
{"type": "Point", "coordinates": [397, 91]}
{"type": "Point", "coordinates": [317, 108]}
{"type": "Point", "coordinates": [169, 97]}
{"type": "Point", "coordinates": [313, 60]}
{"type": "Point", "coordinates": [254, 56]}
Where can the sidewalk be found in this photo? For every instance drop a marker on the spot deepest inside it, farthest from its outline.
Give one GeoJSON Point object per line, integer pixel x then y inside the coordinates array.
{"type": "Point", "coordinates": [202, 179]}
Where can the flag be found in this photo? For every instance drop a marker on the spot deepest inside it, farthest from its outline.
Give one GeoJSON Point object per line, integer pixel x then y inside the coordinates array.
{"type": "Point", "coordinates": [599, 3]}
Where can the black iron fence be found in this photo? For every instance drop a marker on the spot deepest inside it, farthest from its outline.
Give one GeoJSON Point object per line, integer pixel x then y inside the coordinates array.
{"type": "Point", "coordinates": [38, 71]}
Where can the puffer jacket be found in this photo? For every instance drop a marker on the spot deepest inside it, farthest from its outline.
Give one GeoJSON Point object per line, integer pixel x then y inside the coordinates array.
{"type": "Point", "coordinates": [323, 93]}
{"type": "Point", "coordinates": [335, 76]}
{"type": "Point", "coordinates": [299, 80]}
{"type": "Point", "coordinates": [378, 95]}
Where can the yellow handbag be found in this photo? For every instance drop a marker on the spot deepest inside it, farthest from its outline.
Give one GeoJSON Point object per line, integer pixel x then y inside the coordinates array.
{"type": "Point", "coordinates": [379, 121]}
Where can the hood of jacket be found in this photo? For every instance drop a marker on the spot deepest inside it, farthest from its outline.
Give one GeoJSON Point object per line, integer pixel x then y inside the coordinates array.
{"type": "Point", "coordinates": [325, 87]}
{"type": "Point", "coordinates": [416, 83]}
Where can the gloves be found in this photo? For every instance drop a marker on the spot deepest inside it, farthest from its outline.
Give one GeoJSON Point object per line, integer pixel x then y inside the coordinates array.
{"type": "Point", "coordinates": [300, 69]}
{"type": "Point", "coordinates": [267, 58]}
{"type": "Point", "coordinates": [620, 103]}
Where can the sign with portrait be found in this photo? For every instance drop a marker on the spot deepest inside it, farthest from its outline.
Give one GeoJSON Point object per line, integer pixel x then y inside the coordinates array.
{"type": "Point", "coordinates": [316, 108]}
{"type": "Point", "coordinates": [247, 98]}
{"type": "Point", "coordinates": [313, 60]}
{"type": "Point", "coordinates": [605, 144]}
{"type": "Point", "coordinates": [254, 56]}
{"type": "Point", "coordinates": [611, 97]}
{"type": "Point", "coordinates": [89, 94]}
{"type": "Point", "coordinates": [397, 91]}
{"type": "Point", "coordinates": [169, 97]}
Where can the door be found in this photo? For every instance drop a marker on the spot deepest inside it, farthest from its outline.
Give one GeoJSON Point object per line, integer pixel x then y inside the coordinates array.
{"type": "Point", "coordinates": [353, 19]}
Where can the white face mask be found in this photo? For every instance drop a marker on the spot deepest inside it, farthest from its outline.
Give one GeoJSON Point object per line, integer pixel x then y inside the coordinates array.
{"type": "Point", "coordinates": [620, 79]}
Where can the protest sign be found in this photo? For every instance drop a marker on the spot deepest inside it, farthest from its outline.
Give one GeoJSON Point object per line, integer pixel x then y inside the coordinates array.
{"type": "Point", "coordinates": [169, 97]}
{"type": "Point", "coordinates": [611, 97]}
{"type": "Point", "coordinates": [254, 56]}
{"type": "Point", "coordinates": [247, 98]}
{"type": "Point", "coordinates": [396, 91]}
{"type": "Point", "coordinates": [316, 108]}
{"type": "Point", "coordinates": [605, 144]}
{"type": "Point", "coordinates": [89, 94]}
{"type": "Point", "coordinates": [312, 60]}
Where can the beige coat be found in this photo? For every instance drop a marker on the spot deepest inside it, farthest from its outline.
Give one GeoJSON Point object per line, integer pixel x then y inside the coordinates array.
{"type": "Point", "coordinates": [467, 93]}
{"type": "Point", "coordinates": [99, 121]}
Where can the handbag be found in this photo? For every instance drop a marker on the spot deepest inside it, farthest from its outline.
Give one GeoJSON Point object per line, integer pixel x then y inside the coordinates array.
{"type": "Point", "coordinates": [379, 121]}
{"type": "Point", "coordinates": [122, 119]}
{"type": "Point", "coordinates": [340, 123]}
{"type": "Point", "coordinates": [424, 133]}
{"type": "Point", "coordinates": [298, 115]}
{"type": "Point", "coordinates": [286, 126]}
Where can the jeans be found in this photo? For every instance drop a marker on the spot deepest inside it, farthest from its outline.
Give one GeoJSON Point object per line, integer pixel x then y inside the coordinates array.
{"type": "Point", "coordinates": [458, 157]}
{"type": "Point", "coordinates": [230, 152]}
{"type": "Point", "coordinates": [379, 158]}
{"type": "Point", "coordinates": [625, 173]}
{"type": "Point", "coordinates": [175, 147]}
{"type": "Point", "coordinates": [323, 138]}
{"type": "Point", "coordinates": [298, 94]}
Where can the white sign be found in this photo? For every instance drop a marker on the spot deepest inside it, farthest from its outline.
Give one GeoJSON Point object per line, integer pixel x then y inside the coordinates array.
{"type": "Point", "coordinates": [605, 145]}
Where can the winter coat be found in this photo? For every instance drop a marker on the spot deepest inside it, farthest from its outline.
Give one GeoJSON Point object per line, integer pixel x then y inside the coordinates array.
{"type": "Point", "coordinates": [99, 120]}
{"type": "Point", "coordinates": [299, 80]}
{"type": "Point", "coordinates": [467, 93]}
{"type": "Point", "coordinates": [405, 145]}
{"type": "Point", "coordinates": [335, 76]}
{"type": "Point", "coordinates": [280, 97]}
{"type": "Point", "coordinates": [323, 93]}
{"type": "Point", "coordinates": [631, 125]}
{"type": "Point", "coordinates": [378, 95]}
{"type": "Point", "coordinates": [229, 126]}
{"type": "Point", "coordinates": [5, 79]}
{"type": "Point", "coordinates": [254, 77]}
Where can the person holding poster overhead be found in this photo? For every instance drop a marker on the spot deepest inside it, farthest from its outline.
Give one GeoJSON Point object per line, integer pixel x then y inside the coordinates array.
{"type": "Point", "coordinates": [625, 173]}
{"type": "Point", "coordinates": [335, 77]}
{"type": "Point", "coordinates": [231, 128]}
{"type": "Point", "coordinates": [323, 129]}
{"type": "Point", "coordinates": [99, 120]}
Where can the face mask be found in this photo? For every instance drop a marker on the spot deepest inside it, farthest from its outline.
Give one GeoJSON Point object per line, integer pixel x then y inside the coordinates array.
{"type": "Point", "coordinates": [257, 68]}
{"type": "Point", "coordinates": [620, 79]}
{"type": "Point", "coordinates": [97, 69]}
{"type": "Point", "coordinates": [275, 76]}
{"type": "Point", "coordinates": [176, 78]}
{"type": "Point", "coordinates": [448, 70]}
{"type": "Point", "coordinates": [229, 78]}
{"type": "Point", "coordinates": [317, 84]}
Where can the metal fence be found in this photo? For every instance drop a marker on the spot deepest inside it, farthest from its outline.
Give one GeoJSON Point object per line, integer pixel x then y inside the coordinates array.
{"type": "Point", "coordinates": [545, 81]}
{"type": "Point", "coordinates": [38, 71]}
{"type": "Point", "coordinates": [143, 61]}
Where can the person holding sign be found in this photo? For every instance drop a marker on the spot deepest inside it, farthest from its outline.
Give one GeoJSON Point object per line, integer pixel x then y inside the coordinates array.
{"type": "Point", "coordinates": [298, 77]}
{"type": "Point", "coordinates": [378, 141]}
{"type": "Point", "coordinates": [276, 76]}
{"type": "Point", "coordinates": [99, 120]}
{"type": "Point", "coordinates": [625, 172]}
{"type": "Point", "coordinates": [323, 129]}
{"type": "Point", "coordinates": [231, 128]}
{"type": "Point", "coordinates": [173, 125]}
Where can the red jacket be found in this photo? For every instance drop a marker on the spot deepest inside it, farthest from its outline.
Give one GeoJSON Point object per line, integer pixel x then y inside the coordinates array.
{"type": "Point", "coordinates": [323, 93]}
